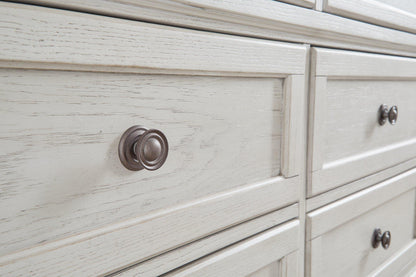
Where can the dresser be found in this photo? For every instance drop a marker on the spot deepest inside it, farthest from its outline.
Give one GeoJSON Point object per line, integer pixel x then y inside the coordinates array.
{"type": "Point", "coordinates": [208, 138]}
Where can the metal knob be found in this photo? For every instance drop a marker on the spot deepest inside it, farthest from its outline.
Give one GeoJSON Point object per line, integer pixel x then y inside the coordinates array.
{"type": "Point", "coordinates": [386, 239]}
{"type": "Point", "coordinates": [383, 114]}
{"type": "Point", "coordinates": [142, 148]}
{"type": "Point", "coordinates": [378, 237]}
{"type": "Point", "coordinates": [393, 114]}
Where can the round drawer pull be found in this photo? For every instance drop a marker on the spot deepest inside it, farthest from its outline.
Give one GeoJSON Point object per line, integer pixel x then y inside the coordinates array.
{"type": "Point", "coordinates": [383, 114]}
{"type": "Point", "coordinates": [378, 237]}
{"type": "Point", "coordinates": [393, 114]}
{"type": "Point", "coordinates": [386, 239]}
{"type": "Point", "coordinates": [142, 148]}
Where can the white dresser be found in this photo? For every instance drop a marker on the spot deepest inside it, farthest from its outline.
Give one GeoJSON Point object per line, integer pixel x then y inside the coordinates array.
{"type": "Point", "coordinates": [208, 138]}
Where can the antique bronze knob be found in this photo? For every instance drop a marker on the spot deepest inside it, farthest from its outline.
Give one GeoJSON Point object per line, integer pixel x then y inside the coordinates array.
{"type": "Point", "coordinates": [378, 237]}
{"type": "Point", "coordinates": [142, 148]}
{"type": "Point", "coordinates": [393, 114]}
{"type": "Point", "coordinates": [383, 114]}
{"type": "Point", "coordinates": [386, 239]}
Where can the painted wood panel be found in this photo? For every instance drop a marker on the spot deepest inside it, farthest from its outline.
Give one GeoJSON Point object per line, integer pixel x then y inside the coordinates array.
{"type": "Point", "coordinates": [303, 3]}
{"type": "Point", "coordinates": [188, 253]}
{"type": "Point", "coordinates": [347, 142]}
{"type": "Point", "coordinates": [60, 135]}
{"type": "Point", "coordinates": [343, 191]}
{"type": "Point", "coordinates": [397, 14]}
{"type": "Point", "coordinates": [262, 18]}
{"type": "Point", "coordinates": [341, 234]}
{"type": "Point", "coordinates": [69, 92]}
{"type": "Point", "coordinates": [68, 40]}
{"type": "Point", "coordinates": [250, 255]}
{"type": "Point", "coordinates": [401, 264]}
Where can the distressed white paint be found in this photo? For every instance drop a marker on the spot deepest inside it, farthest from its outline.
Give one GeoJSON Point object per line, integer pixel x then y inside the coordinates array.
{"type": "Point", "coordinates": [212, 199]}
{"type": "Point", "coordinates": [341, 232]}
{"type": "Point", "coordinates": [397, 14]}
{"type": "Point", "coordinates": [345, 190]}
{"type": "Point", "coordinates": [262, 18]}
{"type": "Point", "coordinates": [347, 142]}
{"type": "Point", "coordinates": [335, 214]}
{"type": "Point", "coordinates": [402, 263]}
{"type": "Point", "coordinates": [303, 3]}
{"type": "Point", "coordinates": [63, 183]}
{"type": "Point", "coordinates": [61, 38]}
{"type": "Point", "coordinates": [191, 252]}
{"type": "Point", "coordinates": [248, 256]}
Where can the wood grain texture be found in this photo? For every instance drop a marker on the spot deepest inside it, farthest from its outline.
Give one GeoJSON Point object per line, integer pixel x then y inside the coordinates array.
{"type": "Point", "coordinates": [247, 256]}
{"type": "Point", "coordinates": [285, 267]}
{"type": "Point", "coordinates": [399, 14]}
{"type": "Point", "coordinates": [64, 184]}
{"type": "Point", "coordinates": [191, 252]}
{"type": "Point", "coordinates": [338, 193]}
{"type": "Point", "coordinates": [265, 19]}
{"type": "Point", "coordinates": [118, 246]}
{"type": "Point", "coordinates": [66, 38]}
{"type": "Point", "coordinates": [400, 264]}
{"type": "Point", "coordinates": [347, 250]}
{"type": "Point", "coordinates": [303, 3]}
{"type": "Point", "coordinates": [59, 152]}
{"type": "Point", "coordinates": [294, 114]}
{"type": "Point", "coordinates": [269, 270]}
{"type": "Point", "coordinates": [334, 215]}
{"type": "Point", "coordinates": [61, 158]}
{"type": "Point", "coordinates": [342, 64]}
{"type": "Point", "coordinates": [347, 142]}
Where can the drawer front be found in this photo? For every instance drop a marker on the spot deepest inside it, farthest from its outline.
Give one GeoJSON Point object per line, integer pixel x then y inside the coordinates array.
{"type": "Point", "coordinates": [304, 3]}
{"type": "Point", "coordinates": [270, 254]}
{"type": "Point", "coordinates": [224, 104]}
{"type": "Point", "coordinates": [397, 14]}
{"type": "Point", "coordinates": [341, 234]}
{"type": "Point", "coordinates": [347, 141]}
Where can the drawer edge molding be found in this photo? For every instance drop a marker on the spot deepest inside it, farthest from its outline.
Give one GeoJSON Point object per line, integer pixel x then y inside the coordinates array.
{"type": "Point", "coordinates": [333, 174]}
{"type": "Point", "coordinates": [345, 190]}
{"type": "Point", "coordinates": [373, 12]}
{"type": "Point", "coordinates": [336, 64]}
{"type": "Point", "coordinates": [219, 263]}
{"type": "Point", "coordinates": [198, 249]}
{"type": "Point", "coordinates": [55, 37]}
{"type": "Point", "coordinates": [398, 262]}
{"type": "Point", "coordinates": [266, 19]}
{"type": "Point", "coordinates": [102, 248]}
{"type": "Point", "coordinates": [333, 215]}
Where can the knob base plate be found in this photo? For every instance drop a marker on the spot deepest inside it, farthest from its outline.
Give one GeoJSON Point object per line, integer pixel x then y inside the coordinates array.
{"type": "Point", "coordinates": [126, 146]}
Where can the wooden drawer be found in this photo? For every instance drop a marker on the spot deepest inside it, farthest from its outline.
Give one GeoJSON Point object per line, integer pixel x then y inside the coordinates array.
{"type": "Point", "coordinates": [397, 14]}
{"type": "Point", "coordinates": [73, 83]}
{"type": "Point", "coordinates": [340, 234]}
{"type": "Point", "coordinates": [303, 3]}
{"type": "Point", "coordinates": [347, 142]}
{"type": "Point", "coordinates": [268, 254]}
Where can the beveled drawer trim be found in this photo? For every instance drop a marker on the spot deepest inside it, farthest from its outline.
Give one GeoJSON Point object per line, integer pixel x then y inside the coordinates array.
{"type": "Point", "coordinates": [373, 12]}
{"type": "Point", "coordinates": [398, 263]}
{"type": "Point", "coordinates": [247, 256]}
{"type": "Point", "coordinates": [333, 215]}
{"type": "Point", "coordinates": [262, 18]}
{"type": "Point", "coordinates": [342, 64]}
{"type": "Point", "coordinates": [193, 251]}
{"type": "Point", "coordinates": [64, 39]}
{"type": "Point", "coordinates": [348, 189]}
{"type": "Point", "coordinates": [120, 245]}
